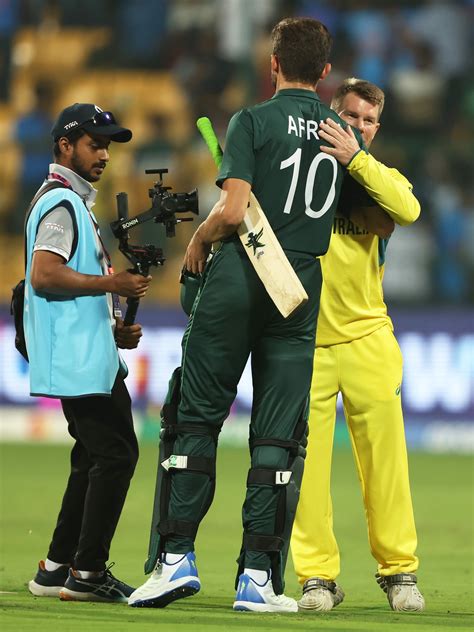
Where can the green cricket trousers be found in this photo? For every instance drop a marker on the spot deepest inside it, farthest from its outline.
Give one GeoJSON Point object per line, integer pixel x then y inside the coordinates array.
{"type": "Point", "coordinates": [233, 317]}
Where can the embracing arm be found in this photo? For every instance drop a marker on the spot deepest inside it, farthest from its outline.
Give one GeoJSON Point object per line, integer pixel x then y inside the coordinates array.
{"type": "Point", "coordinates": [374, 220]}
{"type": "Point", "coordinates": [389, 189]}
{"type": "Point", "coordinates": [386, 186]}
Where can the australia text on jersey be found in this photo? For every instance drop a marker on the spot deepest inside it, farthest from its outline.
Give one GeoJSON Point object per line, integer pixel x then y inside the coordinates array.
{"type": "Point", "coordinates": [344, 226]}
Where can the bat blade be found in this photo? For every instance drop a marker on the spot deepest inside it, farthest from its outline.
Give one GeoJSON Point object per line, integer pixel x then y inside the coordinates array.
{"type": "Point", "coordinates": [270, 261]}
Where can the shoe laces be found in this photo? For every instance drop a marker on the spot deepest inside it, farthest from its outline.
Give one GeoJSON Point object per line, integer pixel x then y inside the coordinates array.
{"type": "Point", "coordinates": [109, 575]}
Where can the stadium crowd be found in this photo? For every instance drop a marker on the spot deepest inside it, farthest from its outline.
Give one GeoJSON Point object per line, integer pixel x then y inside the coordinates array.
{"type": "Point", "coordinates": [160, 64]}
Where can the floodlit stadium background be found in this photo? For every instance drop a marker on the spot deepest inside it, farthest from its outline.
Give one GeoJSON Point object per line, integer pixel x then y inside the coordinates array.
{"type": "Point", "coordinates": [160, 64]}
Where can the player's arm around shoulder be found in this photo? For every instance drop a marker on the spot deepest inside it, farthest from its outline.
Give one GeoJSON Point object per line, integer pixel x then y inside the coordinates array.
{"type": "Point", "coordinates": [387, 186]}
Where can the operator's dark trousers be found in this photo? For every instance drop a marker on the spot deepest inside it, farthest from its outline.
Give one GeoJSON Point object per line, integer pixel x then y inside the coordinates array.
{"type": "Point", "coordinates": [103, 460]}
{"type": "Point", "coordinates": [233, 317]}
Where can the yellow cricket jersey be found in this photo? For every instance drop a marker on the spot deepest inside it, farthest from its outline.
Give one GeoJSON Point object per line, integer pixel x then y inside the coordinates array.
{"type": "Point", "coordinates": [352, 304]}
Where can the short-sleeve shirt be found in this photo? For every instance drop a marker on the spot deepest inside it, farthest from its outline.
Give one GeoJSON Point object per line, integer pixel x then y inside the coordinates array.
{"type": "Point", "coordinates": [56, 233]}
{"type": "Point", "coordinates": [275, 146]}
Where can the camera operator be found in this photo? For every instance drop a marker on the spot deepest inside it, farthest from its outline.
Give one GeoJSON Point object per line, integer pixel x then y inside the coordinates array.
{"type": "Point", "coordinates": [72, 330]}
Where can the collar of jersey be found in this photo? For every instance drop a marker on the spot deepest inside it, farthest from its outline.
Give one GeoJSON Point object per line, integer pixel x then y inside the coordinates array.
{"type": "Point", "coordinates": [296, 92]}
{"type": "Point", "coordinates": [80, 186]}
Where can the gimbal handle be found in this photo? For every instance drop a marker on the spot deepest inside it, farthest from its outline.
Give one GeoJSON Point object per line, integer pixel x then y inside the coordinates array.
{"type": "Point", "coordinates": [132, 308]}
{"type": "Point", "coordinates": [132, 303]}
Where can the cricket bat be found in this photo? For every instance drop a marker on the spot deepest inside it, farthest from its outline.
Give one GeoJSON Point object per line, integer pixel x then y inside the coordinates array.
{"type": "Point", "coordinates": [260, 243]}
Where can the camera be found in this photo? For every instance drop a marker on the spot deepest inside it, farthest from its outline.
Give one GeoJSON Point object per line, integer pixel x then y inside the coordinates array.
{"type": "Point", "coordinates": [164, 206]}
{"type": "Point", "coordinates": [167, 204]}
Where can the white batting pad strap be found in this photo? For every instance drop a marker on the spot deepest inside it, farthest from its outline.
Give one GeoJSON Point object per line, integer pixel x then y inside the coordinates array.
{"type": "Point", "coordinates": [282, 477]}
{"type": "Point", "coordinates": [176, 462]}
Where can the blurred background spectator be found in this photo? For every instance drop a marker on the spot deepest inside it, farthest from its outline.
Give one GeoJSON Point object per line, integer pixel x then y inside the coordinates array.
{"type": "Point", "coordinates": [9, 21]}
{"type": "Point", "coordinates": [159, 64]}
{"type": "Point", "coordinates": [33, 136]}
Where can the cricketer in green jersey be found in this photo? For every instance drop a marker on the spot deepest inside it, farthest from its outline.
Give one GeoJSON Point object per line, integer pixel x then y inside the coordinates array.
{"type": "Point", "coordinates": [272, 149]}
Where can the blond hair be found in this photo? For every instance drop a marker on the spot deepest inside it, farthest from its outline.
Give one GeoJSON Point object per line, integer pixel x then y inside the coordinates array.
{"type": "Point", "coordinates": [364, 89]}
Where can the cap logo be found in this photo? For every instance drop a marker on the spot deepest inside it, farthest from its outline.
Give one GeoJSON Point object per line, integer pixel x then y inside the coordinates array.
{"type": "Point", "coordinates": [98, 109]}
{"type": "Point", "coordinates": [71, 124]}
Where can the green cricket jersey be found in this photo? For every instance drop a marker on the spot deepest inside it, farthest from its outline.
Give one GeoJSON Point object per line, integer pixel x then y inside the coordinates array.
{"type": "Point", "coordinates": [275, 147]}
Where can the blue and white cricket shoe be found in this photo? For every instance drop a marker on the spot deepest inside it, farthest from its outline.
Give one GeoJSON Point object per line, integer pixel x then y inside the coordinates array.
{"type": "Point", "coordinates": [168, 582]}
{"type": "Point", "coordinates": [255, 597]}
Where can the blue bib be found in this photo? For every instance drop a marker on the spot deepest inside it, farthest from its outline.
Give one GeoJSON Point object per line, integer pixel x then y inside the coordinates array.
{"type": "Point", "coordinates": [70, 342]}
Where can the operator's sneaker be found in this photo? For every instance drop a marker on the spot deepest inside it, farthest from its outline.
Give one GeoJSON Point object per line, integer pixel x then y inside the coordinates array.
{"type": "Point", "coordinates": [104, 588]}
{"type": "Point", "coordinates": [402, 592]}
{"type": "Point", "coordinates": [168, 582]}
{"type": "Point", "coordinates": [255, 597]}
{"type": "Point", "coordinates": [320, 595]}
{"type": "Point", "coordinates": [48, 583]}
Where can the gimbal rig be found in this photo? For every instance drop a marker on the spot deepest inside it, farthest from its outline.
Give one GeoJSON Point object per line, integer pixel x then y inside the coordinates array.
{"type": "Point", "coordinates": [164, 206]}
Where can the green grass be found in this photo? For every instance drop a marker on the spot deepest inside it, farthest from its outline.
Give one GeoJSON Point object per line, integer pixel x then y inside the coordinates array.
{"type": "Point", "coordinates": [32, 482]}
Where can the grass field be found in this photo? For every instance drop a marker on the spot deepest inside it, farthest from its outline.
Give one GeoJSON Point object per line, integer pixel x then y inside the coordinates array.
{"type": "Point", "coordinates": [32, 482]}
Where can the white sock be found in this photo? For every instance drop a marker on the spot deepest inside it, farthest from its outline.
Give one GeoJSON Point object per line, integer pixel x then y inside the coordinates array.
{"type": "Point", "coordinates": [89, 574]}
{"type": "Point", "coordinates": [172, 558]}
{"type": "Point", "coordinates": [53, 566]}
{"type": "Point", "coordinates": [259, 577]}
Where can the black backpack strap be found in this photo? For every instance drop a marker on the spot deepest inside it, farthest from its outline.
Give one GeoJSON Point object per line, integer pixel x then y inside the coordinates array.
{"type": "Point", "coordinates": [49, 186]}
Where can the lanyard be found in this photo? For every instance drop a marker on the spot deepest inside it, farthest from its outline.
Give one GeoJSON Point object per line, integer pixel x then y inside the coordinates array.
{"type": "Point", "coordinates": [110, 269]}
{"type": "Point", "coordinates": [56, 176]}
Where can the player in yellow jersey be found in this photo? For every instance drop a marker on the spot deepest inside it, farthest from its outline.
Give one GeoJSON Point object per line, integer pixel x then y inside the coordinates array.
{"type": "Point", "coordinates": [358, 356]}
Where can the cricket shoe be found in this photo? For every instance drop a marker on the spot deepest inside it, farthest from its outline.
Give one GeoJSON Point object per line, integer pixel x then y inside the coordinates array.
{"type": "Point", "coordinates": [48, 583]}
{"type": "Point", "coordinates": [402, 592]}
{"type": "Point", "coordinates": [168, 582]}
{"type": "Point", "coordinates": [104, 588]}
{"type": "Point", "coordinates": [320, 595]}
{"type": "Point", "coordinates": [255, 597]}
